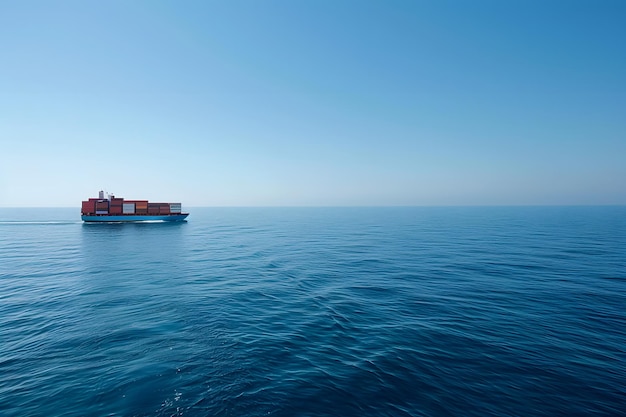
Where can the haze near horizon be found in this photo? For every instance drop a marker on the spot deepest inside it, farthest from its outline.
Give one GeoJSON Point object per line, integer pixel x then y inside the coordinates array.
{"type": "Point", "coordinates": [313, 103]}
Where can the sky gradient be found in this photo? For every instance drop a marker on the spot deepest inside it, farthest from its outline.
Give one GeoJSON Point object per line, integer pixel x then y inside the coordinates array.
{"type": "Point", "coordinates": [313, 103]}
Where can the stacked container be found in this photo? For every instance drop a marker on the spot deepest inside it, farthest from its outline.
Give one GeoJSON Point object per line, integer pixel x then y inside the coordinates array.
{"type": "Point", "coordinates": [141, 206]}
{"type": "Point", "coordinates": [115, 206]}
{"type": "Point", "coordinates": [102, 207]}
{"type": "Point", "coordinates": [164, 208]}
{"type": "Point", "coordinates": [119, 206]}
{"type": "Point", "coordinates": [128, 208]}
{"type": "Point", "coordinates": [89, 207]}
{"type": "Point", "coordinates": [153, 208]}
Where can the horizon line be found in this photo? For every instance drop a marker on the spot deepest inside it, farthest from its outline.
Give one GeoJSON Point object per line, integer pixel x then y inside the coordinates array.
{"type": "Point", "coordinates": [360, 206]}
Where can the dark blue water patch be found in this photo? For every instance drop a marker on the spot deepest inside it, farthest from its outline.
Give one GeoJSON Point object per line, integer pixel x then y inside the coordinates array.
{"type": "Point", "coordinates": [316, 312]}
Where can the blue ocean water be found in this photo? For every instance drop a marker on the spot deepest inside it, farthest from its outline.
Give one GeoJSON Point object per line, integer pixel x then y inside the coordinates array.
{"type": "Point", "coordinates": [469, 311]}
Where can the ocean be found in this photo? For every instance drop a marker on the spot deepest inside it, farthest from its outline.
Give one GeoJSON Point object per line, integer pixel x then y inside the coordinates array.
{"type": "Point", "coordinates": [424, 311]}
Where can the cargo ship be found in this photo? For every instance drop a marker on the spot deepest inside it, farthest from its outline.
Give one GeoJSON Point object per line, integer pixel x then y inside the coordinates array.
{"type": "Point", "coordinates": [111, 209]}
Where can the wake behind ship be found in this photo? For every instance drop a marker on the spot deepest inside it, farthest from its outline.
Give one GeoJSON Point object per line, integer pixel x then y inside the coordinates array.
{"type": "Point", "coordinates": [111, 209]}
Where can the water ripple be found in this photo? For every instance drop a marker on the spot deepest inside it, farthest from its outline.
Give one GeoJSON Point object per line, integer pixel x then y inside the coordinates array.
{"type": "Point", "coordinates": [316, 312]}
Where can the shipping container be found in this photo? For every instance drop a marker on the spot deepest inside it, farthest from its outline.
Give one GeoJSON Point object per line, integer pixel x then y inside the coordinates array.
{"type": "Point", "coordinates": [128, 208]}
{"type": "Point", "coordinates": [119, 210]}
{"type": "Point", "coordinates": [89, 207]}
{"type": "Point", "coordinates": [114, 209]}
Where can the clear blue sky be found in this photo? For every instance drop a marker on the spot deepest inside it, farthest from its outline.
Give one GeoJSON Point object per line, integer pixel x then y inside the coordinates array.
{"type": "Point", "coordinates": [313, 102]}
